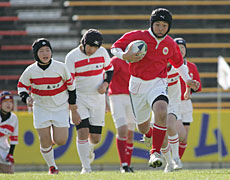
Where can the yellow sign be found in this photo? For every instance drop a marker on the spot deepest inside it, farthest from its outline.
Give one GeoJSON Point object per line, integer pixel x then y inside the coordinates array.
{"type": "Point", "coordinates": [202, 142]}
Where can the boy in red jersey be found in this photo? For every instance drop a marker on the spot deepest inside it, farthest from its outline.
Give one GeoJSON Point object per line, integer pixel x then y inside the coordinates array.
{"type": "Point", "coordinates": [148, 82]}
{"type": "Point", "coordinates": [121, 111]}
{"type": "Point", "coordinates": [8, 131]}
{"type": "Point", "coordinates": [186, 103]}
{"type": "Point", "coordinates": [53, 93]}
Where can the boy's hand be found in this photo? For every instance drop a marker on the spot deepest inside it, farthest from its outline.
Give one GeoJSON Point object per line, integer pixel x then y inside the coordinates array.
{"type": "Point", "coordinates": [194, 84]}
{"type": "Point", "coordinates": [132, 57]}
{"type": "Point", "coordinates": [10, 158]}
{"type": "Point", "coordinates": [29, 101]}
{"type": "Point", "coordinates": [76, 119]}
{"type": "Point", "coordinates": [102, 88]}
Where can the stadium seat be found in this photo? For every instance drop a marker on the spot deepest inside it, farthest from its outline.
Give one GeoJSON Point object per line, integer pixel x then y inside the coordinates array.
{"type": "Point", "coordinates": [204, 25]}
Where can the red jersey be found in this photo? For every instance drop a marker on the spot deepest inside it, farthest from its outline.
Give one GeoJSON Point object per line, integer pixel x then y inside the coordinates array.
{"type": "Point", "coordinates": [192, 70]}
{"type": "Point", "coordinates": [159, 52]}
{"type": "Point", "coordinates": [121, 76]}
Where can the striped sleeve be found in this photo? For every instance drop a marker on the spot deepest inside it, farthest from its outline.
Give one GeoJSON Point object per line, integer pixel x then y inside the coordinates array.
{"type": "Point", "coordinates": [70, 65]}
{"type": "Point", "coordinates": [70, 83]}
{"type": "Point", "coordinates": [108, 65]}
{"type": "Point", "coordinates": [14, 135]}
{"type": "Point", "coordinates": [24, 82]}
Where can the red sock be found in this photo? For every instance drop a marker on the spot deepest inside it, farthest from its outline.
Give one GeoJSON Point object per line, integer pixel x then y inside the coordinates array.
{"type": "Point", "coordinates": [182, 148]}
{"type": "Point", "coordinates": [158, 138]}
{"type": "Point", "coordinates": [149, 134]}
{"type": "Point", "coordinates": [129, 151]}
{"type": "Point", "coordinates": [121, 148]}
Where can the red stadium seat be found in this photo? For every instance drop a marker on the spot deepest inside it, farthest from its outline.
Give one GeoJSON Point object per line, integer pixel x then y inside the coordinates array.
{"type": "Point", "coordinates": [12, 33]}
{"type": "Point", "coordinates": [8, 18]}
{"type": "Point", "coordinates": [9, 77]}
{"type": "Point", "coordinates": [5, 4]}
{"type": "Point", "coordinates": [16, 47]}
{"type": "Point", "coordinates": [16, 62]}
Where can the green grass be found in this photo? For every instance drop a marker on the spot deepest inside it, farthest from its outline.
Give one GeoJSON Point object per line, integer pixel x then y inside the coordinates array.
{"type": "Point", "coordinates": [211, 174]}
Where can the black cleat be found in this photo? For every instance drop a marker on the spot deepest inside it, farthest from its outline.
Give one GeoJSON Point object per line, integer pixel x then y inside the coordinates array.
{"type": "Point", "coordinates": [125, 169]}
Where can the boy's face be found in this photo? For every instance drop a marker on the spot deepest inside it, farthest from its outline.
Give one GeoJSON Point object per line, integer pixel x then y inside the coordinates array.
{"type": "Point", "coordinates": [44, 54]}
{"type": "Point", "coordinates": [182, 50]}
{"type": "Point", "coordinates": [160, 28]}
{"type": "Point", "coordinates": [90, 50]}
{"type": "Point", "coordinates": [7, 105]}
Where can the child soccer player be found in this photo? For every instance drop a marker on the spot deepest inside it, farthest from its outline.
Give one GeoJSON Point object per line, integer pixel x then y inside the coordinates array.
{"type": "Point", "coordinates": [52, 95]}
{"type": "Point", "coordinates": [8, 130]}
{"type": "Point", "coordinates": [148, 83]}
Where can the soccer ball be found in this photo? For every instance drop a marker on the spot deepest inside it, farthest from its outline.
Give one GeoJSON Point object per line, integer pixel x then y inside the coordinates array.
{"type": "Point", "coordinates": [138, 46]}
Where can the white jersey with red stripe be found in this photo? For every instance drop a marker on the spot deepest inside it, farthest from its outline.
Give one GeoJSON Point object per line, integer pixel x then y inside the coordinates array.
{"type": "Point", "coordinates": [174, 92]}
{"type": "Point", "coordinates": [48, 87]}
{"type": "Point", "coordinates": [88, 70]}
{"type": "Point", "coordinates": [8, 130]}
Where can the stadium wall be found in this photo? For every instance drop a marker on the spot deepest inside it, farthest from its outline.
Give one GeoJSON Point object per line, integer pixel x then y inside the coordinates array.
{"type": "Point", "coordinates": [202, 142]}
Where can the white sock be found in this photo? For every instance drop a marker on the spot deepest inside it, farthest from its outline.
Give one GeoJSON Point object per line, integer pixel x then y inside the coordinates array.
{"type": "Point", "coordinates": [174, 144]}
{"type": "Point", "coordinates": [83, 152]}
{"type": "Point", "coordinates": [48, 155]}
{"type": "Point", "coordinates": [167, 154]}
{"type": "Point", "coordinates": [91, 146]}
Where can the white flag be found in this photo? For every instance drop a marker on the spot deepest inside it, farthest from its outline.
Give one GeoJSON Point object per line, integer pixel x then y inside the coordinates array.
{"type": "Point", "coordinates": [223, 76]}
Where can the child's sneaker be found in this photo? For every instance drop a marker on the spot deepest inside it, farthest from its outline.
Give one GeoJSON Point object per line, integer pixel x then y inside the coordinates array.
{"type": "Point", "coordinates": [53, 170]}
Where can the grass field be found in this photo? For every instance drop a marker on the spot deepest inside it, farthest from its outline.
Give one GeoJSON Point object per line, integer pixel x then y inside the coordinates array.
{"type": "Point", "coordinates": [213, 174]}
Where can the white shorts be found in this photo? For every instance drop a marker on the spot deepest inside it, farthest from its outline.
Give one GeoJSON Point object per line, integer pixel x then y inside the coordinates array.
{"type": "Point", "coordinates": [174, 108]}
{"type": "Point", "coordinates": [143, 93]}
{"type": "Point", "coordinates": [92, 107]}
{"type": "Point", "coordinates": [44, 118]}
{"type": "Point", "coordinates": [186, 111]}
{"type": "Point", "coordinates": [121, 110]}
{"type": "Point", "coordinates": [174, 95]}
{"type": "Point", "coordinates": [3, 155]}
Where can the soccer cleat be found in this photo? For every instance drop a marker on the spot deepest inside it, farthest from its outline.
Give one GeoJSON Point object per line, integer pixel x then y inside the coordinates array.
{"type": "Point", "coordinates": [169, 168]}
{"type": "Point", "coordinates": [177, 164]}
{"type": "Point", "coordinates": [125, 169]}
{"type": "Point", "coordinates": [147, 141]}
{"type": "Point", "coordinates": [53, 170]}
{"type": "Point", "coordinates": [131, 170]}
{"type": "Point", "coordinates": [155, 160]}
{"type": "Point", "coordinates": [85, 170]}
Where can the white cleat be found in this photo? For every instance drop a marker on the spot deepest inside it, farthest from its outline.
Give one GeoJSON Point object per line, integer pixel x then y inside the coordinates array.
{"type": "Point", "coordinates": [155, 160]}
{"type": "Point", "coordinates": [147, 141]}
{"type": "Point", "coordinates": [169, 168]}
{"type": "Point", "coordinates": [85, 171]}
{"type": "Point", "coordinates": [177, 164]}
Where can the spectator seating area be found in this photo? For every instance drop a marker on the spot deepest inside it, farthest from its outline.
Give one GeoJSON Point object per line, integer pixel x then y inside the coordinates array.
{"type": "Point", "coordinates": [203, 24]}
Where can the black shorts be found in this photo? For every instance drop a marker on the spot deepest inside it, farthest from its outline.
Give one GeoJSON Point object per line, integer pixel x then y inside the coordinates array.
{"type": "Point", "coordinates": [161, 97]}
{"type": "Point", "coordinates": [92, 129]}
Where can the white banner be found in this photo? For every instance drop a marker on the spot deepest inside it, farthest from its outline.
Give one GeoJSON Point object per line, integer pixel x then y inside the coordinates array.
{"type": "Point", "coordinates": [223, 76]}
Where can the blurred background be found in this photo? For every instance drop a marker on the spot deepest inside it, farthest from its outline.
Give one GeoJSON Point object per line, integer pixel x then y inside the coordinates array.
{"type": "Point", "coordinates": [205, 25]}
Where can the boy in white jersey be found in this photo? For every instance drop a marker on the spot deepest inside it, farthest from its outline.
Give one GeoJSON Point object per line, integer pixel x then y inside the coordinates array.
{"type": "Point", "coordinates": [183, 125]}
{"type": "Point", "coordinates": [52, 95]}
{"type": "Point", "coordinates": [87, 63]}
{"type": "Point", "coordinates": [8, 131]}
{"type": "Point", "coordinates": [171, 141]}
